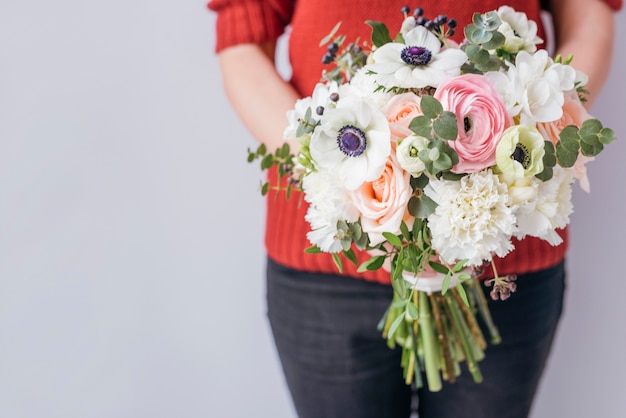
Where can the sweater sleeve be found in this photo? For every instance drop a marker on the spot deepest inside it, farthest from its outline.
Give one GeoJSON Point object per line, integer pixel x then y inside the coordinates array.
{"type": "Point", "coordinates": [249, 21]}
{"type": "Point", "coordinates": [613, 4]}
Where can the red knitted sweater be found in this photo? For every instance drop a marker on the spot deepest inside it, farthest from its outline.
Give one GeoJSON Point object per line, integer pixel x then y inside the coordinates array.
{"type": "Point", "coordinates": [253, 21]}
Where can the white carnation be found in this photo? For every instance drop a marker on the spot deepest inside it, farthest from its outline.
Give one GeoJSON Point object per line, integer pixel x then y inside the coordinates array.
{"type": "Point", "coordinates": [473, 220]}
{"type": "Point", "coordinates": [329, 202]}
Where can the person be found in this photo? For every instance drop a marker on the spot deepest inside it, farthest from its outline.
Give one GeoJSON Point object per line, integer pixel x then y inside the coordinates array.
{"type": "Point", "coordinates": [335, 362]}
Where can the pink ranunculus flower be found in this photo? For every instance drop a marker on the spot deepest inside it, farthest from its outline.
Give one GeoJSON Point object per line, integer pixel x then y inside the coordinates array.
{"type": "Point", "coordinates": [383, 202]}
{"type": "Point", "coordinates": [574, 113]}
{"type": "Point", "coordinates": [481, 119]}
{"type": "Point", "coordinates": [400, 111]}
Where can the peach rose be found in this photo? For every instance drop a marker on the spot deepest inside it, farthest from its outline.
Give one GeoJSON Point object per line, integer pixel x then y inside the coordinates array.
{"type": "Point", "coordinates": [383, 202]}
{"type": "Point", "coordinates": [481, 119]}
{"type": "Point", "coordinates": [574, 113]}
{"type": "Point", "coordinates": [400, 111]}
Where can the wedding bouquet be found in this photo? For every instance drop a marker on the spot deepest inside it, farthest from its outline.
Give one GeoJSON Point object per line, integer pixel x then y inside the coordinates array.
{"type": "Point", "coordinates": [432, 156]}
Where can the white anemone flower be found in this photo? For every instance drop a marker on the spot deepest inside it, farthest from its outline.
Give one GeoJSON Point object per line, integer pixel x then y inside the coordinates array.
{"type": "Point", "coordinates": [417, 63]}
{"type": "Point", "coordinates": [329, 202]}
{"type": "Point", "coordinates": [473, 219]}
{"type": "Point", "coordinates": [551, 209]}
{"type": "Point", "coordinates": [352, 140]}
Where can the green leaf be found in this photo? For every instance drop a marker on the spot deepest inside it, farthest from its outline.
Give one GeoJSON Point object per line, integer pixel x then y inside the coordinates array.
{"type": "Point", "coordinates": [431, 107]}
{"type": "Point", "coordinates": [419, 182]}
{"type": "Point", "coordinates": [569, 134]}
{"type": "Point", "coordinates": [422, 126]}
{"type": "Point", "coordinates": [265, 188]}
{"type": "Point", "coordinates": [350, 255]}
{"type": "Point", "coordinates": [546, 174]}
{"type": "Point", "coordinates": [591, 150]}
{"type": "Point", "coordinates": [313, 249]}
{"type": "Point", "coordinates": [328, 37]}
{"type": "Point", "coordinates": [411, 311]}
{"type": "Point", "coordinates": [607, 136]}
{"type": "Point", "coordinates": [338, 262]}
{"type": "Point", "coordinates": [549, 156]}
{"type": "Point", "coordinates": [394, 326]}
{"type": "Point", "coordinates": [460, 265]}
{"type": "Point", "coordinates": [372, 264]}
{"type": "Point", "coordinates": [489, 21]}
{"type": "Point", "coordinates": [267, 161]}
{"type": "Point", "coordinates": [421, 207]}
{"type": "Point", "coordinates": [399, 303]}
{"type": "Point", "coordinates": [462, 293]}
{"type": "Point", "coordinates": [496, 41]}
{"type": "Point", "coordinates": [477, 54]}
{"type": "Point", "coordinates": [406, 234]}
{"type": "Point", "coordinates": [480, 36]}
{"type": "Point", "coordinates": [438, 267]}
{"type": "Point", "coordinates": [566, 157]}
{"type": "Point", "coordinates": [445, 285]}
{"type": "Point", "coordinates": [446, 127]}
{"type": "Point", "coordinates": [380, 33]}
{"type": "Point", "coordinates": [392, 239]}
{"type": "Point", "coordinates": [262, 150]}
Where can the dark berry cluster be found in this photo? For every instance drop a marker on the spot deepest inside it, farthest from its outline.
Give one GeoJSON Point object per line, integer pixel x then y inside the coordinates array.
{"type": "Point", "coordinates": [440, 25]}
{"type": "Point", "coordinates": [331, 53]}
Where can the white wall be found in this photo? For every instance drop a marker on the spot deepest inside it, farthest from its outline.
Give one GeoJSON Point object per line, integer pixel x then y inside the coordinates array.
{"type": "Point", "coordinates": [131, 280]}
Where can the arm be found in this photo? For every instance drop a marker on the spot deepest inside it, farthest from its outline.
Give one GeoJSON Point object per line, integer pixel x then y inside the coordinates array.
{"type": "Point", "coordinates": [586, 29]}
{"type": "Point", "coordinates": [257, 92]}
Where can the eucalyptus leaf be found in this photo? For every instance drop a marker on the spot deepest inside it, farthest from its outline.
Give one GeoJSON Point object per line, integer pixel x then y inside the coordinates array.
{"type": "Point", "coordinates": [267, 161]}
{"type": "Point", "coordinates": [446, 126]}
{"type": "Point", "coordinates": [496, 41]}
{"type": "Point", "coordinates": [566, 157]}
{"type": "Point", "coordinates": [569, 134]}
{"type": "Point", "coordinates": [422, 126]}
{"type": "Point", "coordinates": [546, 174]}
{"type": "Point", "coordinates": [431, 107]}
{"type": "Point", "coordinates": [480, 36]}
{"type": "Point", "coordinates": [607, 136]}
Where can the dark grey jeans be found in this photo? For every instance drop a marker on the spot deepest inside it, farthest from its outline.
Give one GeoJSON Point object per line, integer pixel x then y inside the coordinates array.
{"type": "Point", "coordinates": [337, 364]}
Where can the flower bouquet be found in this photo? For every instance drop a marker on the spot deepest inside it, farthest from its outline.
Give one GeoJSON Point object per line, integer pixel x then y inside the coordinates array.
{"type": "Point", "coordinates": [432, 156]}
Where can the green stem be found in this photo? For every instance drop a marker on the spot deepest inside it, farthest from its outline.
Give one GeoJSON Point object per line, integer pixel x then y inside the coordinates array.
{"type": "Point", "coordinates": [427, 333]}
{"type": "Point", "coordinates": [447, 369]}
{"type": "Point", "coordinates": [456, 315]}
{"type": "Point", "coordinates": [483, 310]}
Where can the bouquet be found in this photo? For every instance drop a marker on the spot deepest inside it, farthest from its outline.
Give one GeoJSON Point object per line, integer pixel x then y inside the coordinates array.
{"type": "Point", "coordinates": [432, 156]}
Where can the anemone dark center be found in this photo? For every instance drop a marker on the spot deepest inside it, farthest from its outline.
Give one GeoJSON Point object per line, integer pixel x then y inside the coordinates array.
{"type": "Point", "coordinates": [521, 155]}
{"type": "Point", "coordinates": [351, 141]}
{"type": "Point", "coordinates": [416, 55]}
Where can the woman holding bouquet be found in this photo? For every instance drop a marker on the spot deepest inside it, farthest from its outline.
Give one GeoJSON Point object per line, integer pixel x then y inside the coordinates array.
{"type": "Point", "coordinates": [324, 323]}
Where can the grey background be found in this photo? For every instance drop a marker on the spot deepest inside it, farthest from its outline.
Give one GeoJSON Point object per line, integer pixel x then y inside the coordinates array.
{"type": "Point", "coordinates": [131, 252]}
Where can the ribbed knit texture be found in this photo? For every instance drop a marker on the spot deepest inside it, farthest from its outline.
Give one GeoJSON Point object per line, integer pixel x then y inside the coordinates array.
{"type": "Point", "coordinates": [239, 21]}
